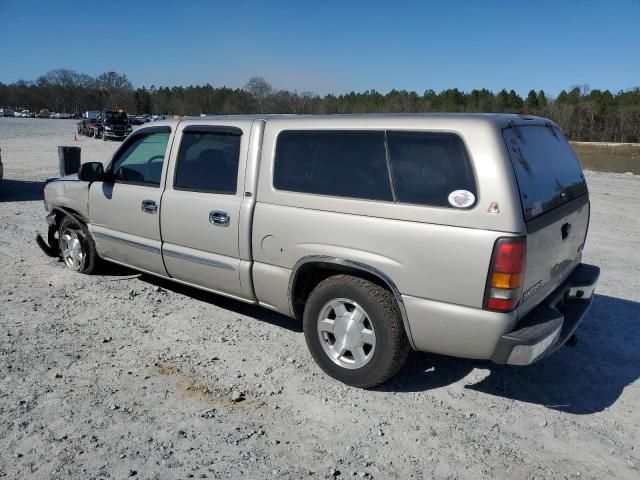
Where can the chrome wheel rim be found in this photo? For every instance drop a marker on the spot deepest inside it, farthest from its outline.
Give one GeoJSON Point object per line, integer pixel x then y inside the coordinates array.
{"type": "Point", "coordinates": [346, 333]}
{"type": "Point", "coordinates": [71, 249]}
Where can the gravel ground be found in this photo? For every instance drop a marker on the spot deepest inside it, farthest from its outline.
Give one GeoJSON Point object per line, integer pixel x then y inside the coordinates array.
{"type": "Point", "coordinates": [125, 376]}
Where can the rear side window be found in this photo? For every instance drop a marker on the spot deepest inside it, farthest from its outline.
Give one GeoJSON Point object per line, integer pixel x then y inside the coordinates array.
{"type": "Point", "coordinates": [427, 167]}
{"type": "Point", "coordinates": [208, 162]}
{"type": "Point", "coordinates": [547, 171]}
{"type": "Point", "coordinates": [338, 163]}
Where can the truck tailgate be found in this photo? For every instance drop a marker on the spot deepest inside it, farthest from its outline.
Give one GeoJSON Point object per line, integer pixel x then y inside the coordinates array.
{"type": "Point", "coordinates": [554, 250]}
{"type": "Point", "coordinates": [555, 206]}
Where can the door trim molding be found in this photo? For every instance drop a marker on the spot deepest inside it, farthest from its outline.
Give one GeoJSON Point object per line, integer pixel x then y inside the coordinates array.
{"type": "Point", "coordinates": [188, 284]}
{"type": "Point", "coordinates": [167, 251]}
{"type": "Point", "coordinates": [130, 243]}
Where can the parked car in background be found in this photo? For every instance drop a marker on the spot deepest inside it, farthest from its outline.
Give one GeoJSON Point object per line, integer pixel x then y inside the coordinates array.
{"type": "Point", "coordinates": [62, 116]}
{"type": "Point", "coordinates": [88, 127]}
{"type": "Point", "coordinates": [6, 112]}
{"type": "Point", "coordinates": [114, 125]}
{"type": "Point", "coordinates": [454, 234]}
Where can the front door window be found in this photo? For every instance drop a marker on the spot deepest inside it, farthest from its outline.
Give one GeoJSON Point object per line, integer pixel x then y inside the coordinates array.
{"type": "Point", "coordinates": [141, 161]}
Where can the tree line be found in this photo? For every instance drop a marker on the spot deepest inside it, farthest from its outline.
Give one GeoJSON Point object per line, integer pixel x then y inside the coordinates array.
{"type": "Point", "coordinates": [582, 113]}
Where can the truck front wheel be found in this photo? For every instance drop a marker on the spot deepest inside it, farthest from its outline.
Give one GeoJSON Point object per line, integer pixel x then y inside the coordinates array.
{"type": "Point", "coordinates": [77, 249]}
{"type": "Point", "coordinates": [354, 331]}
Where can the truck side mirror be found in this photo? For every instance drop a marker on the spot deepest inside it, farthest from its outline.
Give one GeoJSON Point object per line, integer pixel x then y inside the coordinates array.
{"type": "Point", "coordinates": [91, 172]}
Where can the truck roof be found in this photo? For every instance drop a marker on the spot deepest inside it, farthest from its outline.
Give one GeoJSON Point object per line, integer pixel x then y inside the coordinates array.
{"type": "Point", "coordinates": [374, 120]}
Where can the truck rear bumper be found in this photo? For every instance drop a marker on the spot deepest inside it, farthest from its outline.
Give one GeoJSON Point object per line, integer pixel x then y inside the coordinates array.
{"type": "Point", "coordinates": [548, 326]}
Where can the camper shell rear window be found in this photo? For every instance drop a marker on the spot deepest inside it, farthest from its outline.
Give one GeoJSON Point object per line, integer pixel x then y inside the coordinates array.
{"type": "Point", "coordinates": [547, 171]}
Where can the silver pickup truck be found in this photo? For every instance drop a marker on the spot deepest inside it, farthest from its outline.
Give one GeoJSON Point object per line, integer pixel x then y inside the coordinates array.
{"type": "Point", "coordinates": [455, 234]}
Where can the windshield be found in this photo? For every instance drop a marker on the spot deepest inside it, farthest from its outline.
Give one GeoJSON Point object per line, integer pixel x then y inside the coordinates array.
{"type": "Point", "coordinates": [547, 171]}
{"type": "Point", "coordinates": [115, 117]}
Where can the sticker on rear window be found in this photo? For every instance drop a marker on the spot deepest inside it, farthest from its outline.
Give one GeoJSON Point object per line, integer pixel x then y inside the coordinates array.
{"type": "Point", "coordinates": [461, 198]}
{"type": "Point", "coordinates": [536, 208]}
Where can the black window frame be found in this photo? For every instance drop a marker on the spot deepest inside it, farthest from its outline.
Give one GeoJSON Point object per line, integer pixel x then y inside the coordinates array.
{"type": "Point", "coordinates": [390, 176]}
{"type": "Point", "coordinates": [216, 129]}
{"type": "Point", "coordinates": [133, 137]}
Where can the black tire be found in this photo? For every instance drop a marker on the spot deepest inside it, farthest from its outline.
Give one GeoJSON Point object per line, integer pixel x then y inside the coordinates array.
{"type": "Point", "coordinates": [90, 259]}
{"type": "Point", "coordinates": [52, 239]}
{"type": "Point", "coordinates": [392, 345]}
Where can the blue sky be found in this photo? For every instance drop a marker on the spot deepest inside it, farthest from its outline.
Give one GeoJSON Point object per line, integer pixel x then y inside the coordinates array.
{"type": "Point", "coordinates": [330, 46]}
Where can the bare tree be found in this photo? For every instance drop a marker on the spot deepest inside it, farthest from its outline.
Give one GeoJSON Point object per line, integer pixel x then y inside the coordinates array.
{"type": "Point", "coordinates": [115, 87]}
{"type": "Point", "coordinates": [61, 85]}
{"type": "Point", "coordinates": [260, 90]}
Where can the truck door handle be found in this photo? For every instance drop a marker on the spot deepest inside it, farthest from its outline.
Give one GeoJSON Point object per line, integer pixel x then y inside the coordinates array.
{"type": "Point", "coordinates": [218, 218]}
{"type": "Point", "coordinates": [149, 206]}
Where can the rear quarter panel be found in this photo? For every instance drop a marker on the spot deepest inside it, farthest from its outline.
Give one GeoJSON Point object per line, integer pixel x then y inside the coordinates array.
{"type": "Point", "coordinates": [424, 260]}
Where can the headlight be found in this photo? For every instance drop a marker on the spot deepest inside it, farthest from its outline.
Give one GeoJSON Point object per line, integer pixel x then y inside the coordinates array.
{"type": "Point", "coordinates": [108, 129]}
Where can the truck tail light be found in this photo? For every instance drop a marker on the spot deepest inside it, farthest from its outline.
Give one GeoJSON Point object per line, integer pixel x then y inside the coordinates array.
{"type": "Point", "coordinates": [506, 274]}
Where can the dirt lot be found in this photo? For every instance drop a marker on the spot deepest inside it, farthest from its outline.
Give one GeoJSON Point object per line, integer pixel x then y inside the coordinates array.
{"type": "Point", "coordinates": [120, 375]}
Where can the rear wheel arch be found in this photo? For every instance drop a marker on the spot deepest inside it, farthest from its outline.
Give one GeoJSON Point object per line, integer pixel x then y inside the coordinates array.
{"type": "Point", "coordinates": [310, 271]}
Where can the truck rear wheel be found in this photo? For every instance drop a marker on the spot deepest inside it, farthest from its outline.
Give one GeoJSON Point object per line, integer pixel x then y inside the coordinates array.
{"type": "Point", "coordinates": [354, 331]}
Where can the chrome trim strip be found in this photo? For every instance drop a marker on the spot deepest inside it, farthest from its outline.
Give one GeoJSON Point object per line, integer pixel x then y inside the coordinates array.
{"type": "Point", "coordinates": [129, 243]}
{"type": "Point", "coordinates": [324, 259]}
{"type": "Point", "coordinates": [193, 285]}
{"type": "Point", "coordinates": [196, 259]}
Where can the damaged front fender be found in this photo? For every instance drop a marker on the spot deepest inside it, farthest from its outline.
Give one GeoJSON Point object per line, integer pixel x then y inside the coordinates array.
{"type": "Point", "coordinates": [50, 246]}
